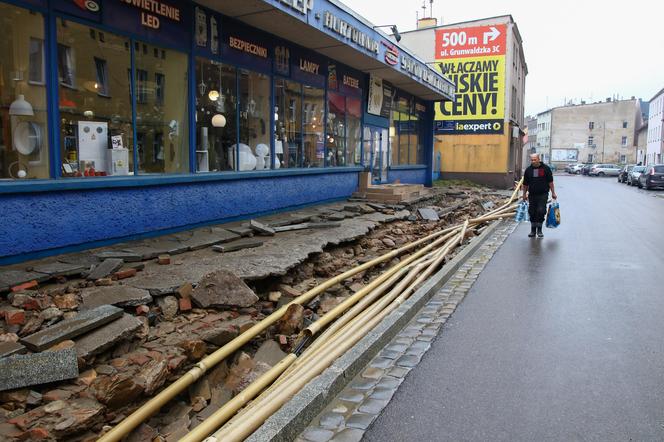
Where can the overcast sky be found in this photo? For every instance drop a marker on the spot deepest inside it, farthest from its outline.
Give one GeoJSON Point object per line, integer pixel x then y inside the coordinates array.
{"type": "Point", "coordinates": [582, 49]}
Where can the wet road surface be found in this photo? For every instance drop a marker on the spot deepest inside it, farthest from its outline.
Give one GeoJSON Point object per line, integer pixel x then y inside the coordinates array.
{"type": "Point", "coordinates": [560, 338]}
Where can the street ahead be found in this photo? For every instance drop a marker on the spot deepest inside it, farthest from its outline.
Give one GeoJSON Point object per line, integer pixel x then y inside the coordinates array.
{"type": "Point", "coordinates": [560, 338]}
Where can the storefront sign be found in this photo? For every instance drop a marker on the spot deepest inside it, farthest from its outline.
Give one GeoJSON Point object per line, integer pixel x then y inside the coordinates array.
{"type": "Point", "coordinates": [247, 47]}
{"type": "Point", "coordinates": [309, 66]}
{"type": "Point", "coordinates": [423, 73]}
{"type": "Point", "coordinates": [351, 82]}
{"type": "Point", "coordinates": [380, 97]}
{"type": "Point", "coordinates": [474, 59]}
{"type": "Point", "coordinates": [153, 10]}
{"type": "Point", "coordinates": [350, 32]}
{"type": "Point", "coordinates": [301, 6]}
{"type": "Point", "coordinates": [391, 53]}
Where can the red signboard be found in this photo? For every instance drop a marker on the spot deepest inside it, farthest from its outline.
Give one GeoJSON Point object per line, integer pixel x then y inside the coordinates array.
{"type": "Point", "coordinates": [470, 42]}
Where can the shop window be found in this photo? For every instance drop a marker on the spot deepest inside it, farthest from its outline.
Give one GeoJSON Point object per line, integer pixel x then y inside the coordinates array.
{"type": "Point", "coordinates": [336, 130]}
{"type": "Point", "coordinates": [96, 133]}
{"type": "Point", "coordinates": [216, 116]}
{"type": "Point", "coordinates": [288, 145]}
{"type": "Point", "coordinates": [162, 120]}
{"type": "Point", "coordinates": [394, 139]}
{"type": "Point", "coordinates": [313, 109]}
{"type": "Point", "coordinates": [37, 74]}
{"type": "Point", "coordinates": [353, 131]}
{"type": "Point", "coordinates": [23, 130]}
{"type": "Point", "coordinates": [253, 152]}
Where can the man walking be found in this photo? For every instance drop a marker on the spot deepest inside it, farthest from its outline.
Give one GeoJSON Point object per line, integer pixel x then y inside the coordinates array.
{"type": "Point", "coordinates": [537, 181]}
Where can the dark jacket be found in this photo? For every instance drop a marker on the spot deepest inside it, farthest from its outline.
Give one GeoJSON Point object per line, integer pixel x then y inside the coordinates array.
{"type": "Point", "coordinates": [537, 179]}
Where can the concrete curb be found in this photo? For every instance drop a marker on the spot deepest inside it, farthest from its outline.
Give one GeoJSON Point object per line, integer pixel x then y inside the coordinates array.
{"type": "Point", "coordinates": [291, 419]}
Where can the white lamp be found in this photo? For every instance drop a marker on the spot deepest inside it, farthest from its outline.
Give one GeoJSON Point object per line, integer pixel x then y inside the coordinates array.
{"type": "Point", "coordinates": [213, 95]}
{"type": "Point", "coordinates": [218, 120]}
{"type": "Point", "coordinates": [21, 107]}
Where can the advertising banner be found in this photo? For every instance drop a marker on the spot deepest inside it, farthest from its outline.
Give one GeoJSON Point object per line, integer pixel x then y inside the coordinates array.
{"type": "Point", "coordinates": [474, 59]}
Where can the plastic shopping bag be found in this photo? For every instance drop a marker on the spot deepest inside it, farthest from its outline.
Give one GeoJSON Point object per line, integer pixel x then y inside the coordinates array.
{"type": "Point", "coordinates": [521, 212]}
{"type": "Point", "coordinates": [553, 215]}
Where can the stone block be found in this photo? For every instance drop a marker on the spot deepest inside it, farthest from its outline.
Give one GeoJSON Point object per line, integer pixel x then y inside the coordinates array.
{"type": "Point", "coordinates": [237, 245]}
{"type": "Point", "coordinates": [261, 228]}
{"type": "Point", "coordinates": [105, 268]}
{"type": "Point", "coordinates": [56, 269]}
{"type": "Point", "coordinates": [118, 295]}
{"type": "Point", "coordinates": [85, 321]}
{"type": "Point", "coordinates": [36, 369]}
{"type": "Point", "coordinates": [105, 337]}
{"type": "Point", "coordinates": [11, 348]}
{"type": "Point", "coordinates": [428, 214]}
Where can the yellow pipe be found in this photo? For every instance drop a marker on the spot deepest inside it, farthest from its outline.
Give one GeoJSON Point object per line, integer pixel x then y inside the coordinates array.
{"type": "Point", "coordinates": [231, 407]}
{"type": "Point", "coordinates": [154, 405]}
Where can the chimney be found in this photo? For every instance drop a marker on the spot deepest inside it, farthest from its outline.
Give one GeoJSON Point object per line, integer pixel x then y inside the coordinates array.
{"type": "Point", "coordinates": [427, 22]}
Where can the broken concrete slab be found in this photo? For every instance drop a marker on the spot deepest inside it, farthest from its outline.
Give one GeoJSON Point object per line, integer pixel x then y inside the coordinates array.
{"type": "Point", "coordinates": [270, 353]}
{"type": "Point", "coordinates": [83, 322]}
{"type": "Point", "coordinates": [223, 288]}
{"type": "Point", "coordinates": [35, 369]}
{"type": "Point", "coordinates": [55, 269]}
{"type": "Point", "coordinates": [201, 239]}
{"type": "Point", "coordinates": [224, 235]}
{"type": "Point", "coordinates": [336, 216]}
{"type": "Point", "coordinates": [326, 225]}
{"type": "Point", "coordinates": [290, 227]}
{"type": "Point", "coordinates": [428, 214]}
{"type": "Point", "coordinates": [11, 348]}
{"type": "Point", "coordinates": [104, 269]}
{"type": "Point", "coordinates": [241, 230]}
{"type": "Point", "coordinates": [167, 245]}
{"type": "Point", "coordinates": [118, 295]}
{"type": "Point", "coordinates": [146, 252]}
{"type": "Point", "coordinates": [11, 278]}
{"type": "Point", "coordinates": [119, 254]}
{"type": "Point", "coordinates": [103, 338]}
{"type": "Point", "coordinates": [237, 245]}
{"type": "Point", "coordinates": [260, 228]}
{"type": "Point", "coordinates": [86, 259]}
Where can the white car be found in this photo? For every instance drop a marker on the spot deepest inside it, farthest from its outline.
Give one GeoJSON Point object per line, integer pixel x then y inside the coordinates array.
{"type": "Point", "coordinates": [605, 170]}
{"type": "Point", "coordinates": [576, 168]}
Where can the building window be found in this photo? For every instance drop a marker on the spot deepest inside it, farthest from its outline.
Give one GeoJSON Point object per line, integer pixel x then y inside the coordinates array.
{"type": "Point", "coordinates": [623, 158]}
{"type": "Point", "coordinates": [288, 146]}
{"type": "Point", "coordinates": [591, 141]}
{"type": "Point", "coordinates": [313, 109]}
{"type": "Point", "coordinates": [624, 124]}
{"type": "Point", "coordinates": [353, 131]}
{"type": "Point", "coordinates": [254, 110]}
{"type": "Point", "coordinates": [90, 124]}
{"type": "Point", "coordinates": [591, 125]}
{"type": "Point", "coordinates": [336, 130]}
{"type": "Point", "coordinates": [159, 88]}
{"type": "Point", "coordinates": [590, 158]}
{"type": "Point", "coordinates": [216, 116]}
{"type": "Point", "coordinates": [24, 147]}
{"type": "Point", "coordinates": [36, 71]}
{"type": "Point", "coordinates": [162, 127]}
{"type": "Point", "coordinates": [624, 141]}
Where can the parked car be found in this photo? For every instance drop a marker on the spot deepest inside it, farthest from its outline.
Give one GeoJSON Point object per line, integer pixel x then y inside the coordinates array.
{"type": "Point", "coordinates": [575, 169]}
{"type": "Point", "coordinates": [586, 168]}
{"type": "Point", "coordinates": [652, 177]}
{"type": "Point", "coordinates": [633, 176]}
{"type": "Point", "coordinates": [624, 172]}
{"type": "Point", "coordinates": [604, 170]}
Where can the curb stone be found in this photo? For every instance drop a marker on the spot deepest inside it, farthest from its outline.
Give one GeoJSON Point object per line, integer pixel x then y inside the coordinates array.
{"type": "Point", "coordinates": [297, 414]}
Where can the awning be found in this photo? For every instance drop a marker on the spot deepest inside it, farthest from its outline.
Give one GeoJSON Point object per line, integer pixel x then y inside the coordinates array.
{"type": "Point", "coordinates": [331, 29]}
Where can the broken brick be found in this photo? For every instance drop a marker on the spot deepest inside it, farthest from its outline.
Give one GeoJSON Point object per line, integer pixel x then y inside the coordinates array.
{"type": "Point", "coordinates": [14, 317]}
{"type": "Point", "coordinates": [164, 260]}
{"type": "Point", "coordinates": [123, 274]}
{"type": "Point", "coordinates": [31, 285]}
{"type": "Point", "coordinates": [185, 304]}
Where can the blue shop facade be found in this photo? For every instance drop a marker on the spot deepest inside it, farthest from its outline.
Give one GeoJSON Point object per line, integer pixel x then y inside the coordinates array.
{"type": "Point", "coordinates": [122, 119]}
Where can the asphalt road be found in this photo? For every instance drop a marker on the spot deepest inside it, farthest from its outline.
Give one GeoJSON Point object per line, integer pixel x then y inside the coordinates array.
{"type": "Point", "coordinates": [560, 338]}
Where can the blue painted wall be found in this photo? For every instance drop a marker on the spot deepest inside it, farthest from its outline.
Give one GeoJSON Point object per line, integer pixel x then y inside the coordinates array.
{"type": "Point", "coordinates": [35, 222]}
{"type": "Point", "coordinates": [410, 176]}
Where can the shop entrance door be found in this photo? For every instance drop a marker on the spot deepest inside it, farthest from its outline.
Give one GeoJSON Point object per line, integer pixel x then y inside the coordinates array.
{"type": "Point", "coordinates": [375, 152]}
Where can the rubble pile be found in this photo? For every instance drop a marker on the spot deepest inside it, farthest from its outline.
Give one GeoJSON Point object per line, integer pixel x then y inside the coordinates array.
{"type": "Point", "coordinates": [82, 348]}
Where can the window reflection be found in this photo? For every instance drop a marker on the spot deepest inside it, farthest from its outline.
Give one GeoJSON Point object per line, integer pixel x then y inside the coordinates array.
{"type": "Point", "coordinates": [354, 124]}
{"type": "Point", "coordinates": [313, 109]}
{"type": "Point", "coordinates": [162, 134]}
{"type": "Point", "coordinates": [23, 129]}
{"type": "Point", "coordinates": [288, 123]}
{"type": "Point", "coordinates": [254, 112]}
{"type": "Point", "coordinates": [216, 116]}
{"type": "Point", "coordinates": [336, 129]}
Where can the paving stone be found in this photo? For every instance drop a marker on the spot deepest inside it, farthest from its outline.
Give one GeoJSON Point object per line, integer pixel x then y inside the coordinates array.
{"type": "Point", "coordinates": [55, 269]}
{"type": "Point", "coordinates": [118, 295]}
{"type": "Point", "coordinates": [11, 278]}
{"type": "Point", "coordinates": [428, 214]}
{"type": "Point", "coordinates": [387, 354]}
{"type": "Point", "coordinates": [260, 228]}
{"type": "Point", "coordinates": [103, 338]}
{"type": "Point", "coordinates": [119, 254]}
{"type": "Point", "coordinates": [373, 406]}
{"type": "Point", "coordinates": [363, 384]}
{"type": "Point", "coordinates": [373, 373]}
{"type": "Point", "coordinates": [331, 421]}
{"type": "Point", "coordinates": [83, 322]}
{"type": "Point", "coordinates": [388, 382]}
{"type": "Point", "coordinates": [104, 269]}
{"type": "Point", "coordinates": [349, 435]}
{"type": "Point", "coordinates": [399, 372]}
{"type": "Point", "coordinates": [11, 348]}
{"type": "Point", "coordinates": [400, 348]}
{"type": "Point", "coordinates": [317, 435]}
{"type": "Point", "coordinates": [408, 361]}
{"type": "Point", "coordinates": [240, 230]}
{"type": "Point", "coordinates": [381, 363]}
{"type": "Point", "coordinates": [360, 420]}
{"type": "Point", "coordinates": [418, 347]}
{"type": "Point", "coordinates": [35, 369]}
{"type": "Point", "coordinates": [146, 252]}
{"type": "Point", "coordinates": [351, 396]}
{"type": "Point", "coordinates": [240, 244]}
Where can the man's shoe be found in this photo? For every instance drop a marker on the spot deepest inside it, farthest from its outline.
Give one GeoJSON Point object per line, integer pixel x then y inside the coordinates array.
{"type": "Point", "coordinates": [532, 231]}
{"type": "Point", "coordinates": [539, 232]}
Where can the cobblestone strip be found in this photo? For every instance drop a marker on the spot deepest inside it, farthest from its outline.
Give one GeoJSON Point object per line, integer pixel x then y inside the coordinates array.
{"type": "Point", "coordinates": [349, 415]}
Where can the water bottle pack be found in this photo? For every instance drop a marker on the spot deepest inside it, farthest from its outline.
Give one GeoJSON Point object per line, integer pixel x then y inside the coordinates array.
{"type": "Point", "coordinates": [522, 212]}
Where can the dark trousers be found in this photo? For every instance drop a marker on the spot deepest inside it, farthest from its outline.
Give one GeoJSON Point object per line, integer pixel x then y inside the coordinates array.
{"type": "Point", "coordinates": [537, 207]}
